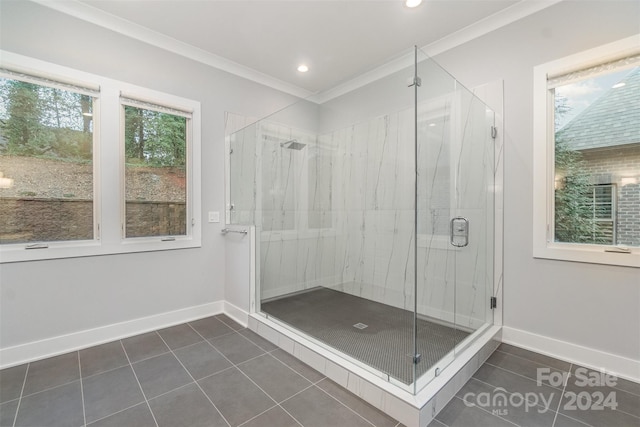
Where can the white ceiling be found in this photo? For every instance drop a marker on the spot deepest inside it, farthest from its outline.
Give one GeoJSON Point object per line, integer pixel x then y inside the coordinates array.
{"type": "Point", "coordinates": [337, 39]}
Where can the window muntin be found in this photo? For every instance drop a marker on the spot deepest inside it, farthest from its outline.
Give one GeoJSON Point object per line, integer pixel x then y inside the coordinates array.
{"type": "Point", "coordinates": [46, 161]}
{"type": "Point", "coordinates": [155, 181]}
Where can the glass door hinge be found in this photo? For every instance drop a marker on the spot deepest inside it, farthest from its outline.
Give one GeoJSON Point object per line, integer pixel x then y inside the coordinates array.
{"type": "Point", "coordinates": [493, 302]}
{"type": "Point", "coordinates": [415, 81]}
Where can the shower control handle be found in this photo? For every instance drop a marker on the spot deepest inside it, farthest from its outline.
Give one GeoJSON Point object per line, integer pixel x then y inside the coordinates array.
{"type": "Point", "coordinates": [459, 231]}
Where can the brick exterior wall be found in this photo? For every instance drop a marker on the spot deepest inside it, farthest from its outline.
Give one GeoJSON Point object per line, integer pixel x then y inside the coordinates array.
{"type": "Point", "coordinates": [620, 166]}
{"type": "Point", "coordinates": [41, 220]}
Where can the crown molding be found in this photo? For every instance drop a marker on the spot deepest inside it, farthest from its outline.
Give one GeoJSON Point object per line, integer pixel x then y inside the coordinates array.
{"type": "Point", "coordinates": [127, 28]}
{"type": "Point", "coordinates": [491, 23]}
{"type": "Point", "coordinates": [122, 26]}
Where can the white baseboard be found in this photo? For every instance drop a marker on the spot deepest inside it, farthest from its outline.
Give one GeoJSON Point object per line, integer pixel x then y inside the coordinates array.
{"type": "Point", "coordinates": [620, 366]}
{"type": "Point", "coordinates": [29, 352]}
{"type": "Point", "coordinates": [236, 313]}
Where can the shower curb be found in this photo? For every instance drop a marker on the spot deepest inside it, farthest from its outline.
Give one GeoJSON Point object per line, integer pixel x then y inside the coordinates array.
{"type": "Point", "coordinates": [411, 410]}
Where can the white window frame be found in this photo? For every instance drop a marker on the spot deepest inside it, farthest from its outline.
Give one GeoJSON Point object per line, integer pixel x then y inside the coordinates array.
{"type": "Point", "coordinates": [544, 164]}
{"type": "Point", "coordinates": [108, 166]}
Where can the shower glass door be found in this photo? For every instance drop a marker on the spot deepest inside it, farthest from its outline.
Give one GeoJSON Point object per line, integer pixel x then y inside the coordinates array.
{"type": "Point", "coordinates": [454, 218]}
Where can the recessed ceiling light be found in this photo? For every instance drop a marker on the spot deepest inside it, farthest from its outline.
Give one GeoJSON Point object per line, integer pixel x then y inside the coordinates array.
{"type": "Point", "coordinates": [617, 85]}
{"type": "Point", "coordinates": [303, 68]}
{"type": "Point", "coordinates": [412, 3]}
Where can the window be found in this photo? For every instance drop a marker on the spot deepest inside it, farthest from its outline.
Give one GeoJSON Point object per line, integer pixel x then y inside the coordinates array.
{"type": "Point", "coordinates": [46, 161]}
{"type": "Point", "coordinates": [587, 156]}
{"type": "Point", "coordinates": [93, 166]}
{"type": "Point", "coordinates": [155, 160]}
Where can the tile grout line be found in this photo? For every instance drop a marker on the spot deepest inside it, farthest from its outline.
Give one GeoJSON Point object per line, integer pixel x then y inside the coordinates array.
{"type": "Point", "coordinates": [536, 362]}
{"type": "Point", "coordinates": [24, 383]}
{"type": "Point", "coordinates": [84, 411]}
{"type": "Point", "coordinates": [264, 391]}
{"type": "Point", "coordinates": [191, 376]}
{"type": "Point", "coordinates": [484, 410]}
{"type": "Point", "coordinates": [571, 366]}
{"type": "Point", "coordinates": [289, 367]}
{"type": "Point", "coordinates": [242, 372]}
{"type": "Point", "coordinates": [521, 376]}
{"type": "Point", "coordinates": [343, 404]}
{"type": "Point", "coordinates": [291, 397]}
{"type": "Point", "coordinates": [144, 395]}
{"type": "Point", "coordinates": [115, 413]}
{"type": "Point", "coordinates": [562, 396]}
{"type": "Point", "coordinates": [51, 388]}
{"type": "Point", "coordinates": [497, 387]}
{"type": "Point", "coordinates": [307, 388]}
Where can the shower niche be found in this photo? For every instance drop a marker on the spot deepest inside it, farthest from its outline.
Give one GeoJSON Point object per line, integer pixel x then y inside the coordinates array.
{"type": "Point", "coordinates": [374, 214]}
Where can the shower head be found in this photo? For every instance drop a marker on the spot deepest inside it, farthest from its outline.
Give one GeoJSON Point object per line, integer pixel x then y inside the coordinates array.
{"type": "Point", "coordinates": [293, 145]}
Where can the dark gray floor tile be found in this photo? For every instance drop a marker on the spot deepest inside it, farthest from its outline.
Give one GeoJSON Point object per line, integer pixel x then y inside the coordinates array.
{"type": "Point", "coordinates": [580, 373]}
{"type": "Point", "coordinates": [258, 340]}
{"type": "Point", "coordinates": [585, 394]}
{"type": "Point", "coordinates": [535, 357]}
{"type": "Point", "coordinates": [276, 379]}
{"type": "Point", "coordinates": [229, 322]}
{"type": "Point", "coordinates": [300, 367]}
{"type": "Point", "coordinates": [513, 383]}
{"type": "Point", "coordinates": [59, 406]}
{"type": "Point", "coordinates": [102, 358]}
{"type": "Point", "coordinates": [144, 346]}
{"type": "Point", "coordinates": [179, 336]}
{"type": "Point", "coordinates": [563, 421]}
{"type": "Point", "coordinates": [511, 407]}
{"type": "Point", "coordinates": [606, 417]}
{"type": "Point", "coordinates": [210, 327]}
{"type": "Point", "coordinates": [161, 374]}
{"type": "Point", "coordinates": [110, 392]}
{"type": "Point", "coordinates": [436, 423]}
{"type": "Point", "coordinates": [8, 413]}
{"type": "Point", "coordinates": [11, 382]}
{"type": "Point", "coordinates": [273, 417]}
{"type": "Point", "coordinates": [372, 414]}
{"type": "Point", "coordinates": [458, 414]}
{"type": "Point", "coordinates": [314, 408]}
{"type": "Point", "coordinates": [237, 398]}
{"type": "Point", "coordinates": [202, 360]}
{"type": "Point", "coordinates": [628, 386]}
{"type": "Point", "coordinates": [528, 368]}
{"type": "Point", "coordinates": [186, 407]}
{"type": "Point", "coordinates": [236, 348]}
{"type": "Point", "coordinates": [52, 372]}
{"type": "Point", "coordinates": [137, 416]}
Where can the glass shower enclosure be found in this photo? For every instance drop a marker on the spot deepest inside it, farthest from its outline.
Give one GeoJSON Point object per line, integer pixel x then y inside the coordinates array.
{"type": "Point", "coordinates": [374, 216]}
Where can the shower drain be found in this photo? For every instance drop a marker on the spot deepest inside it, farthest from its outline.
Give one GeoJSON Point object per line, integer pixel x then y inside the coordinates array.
{"type": "Point", "coordinates": [360, 325]}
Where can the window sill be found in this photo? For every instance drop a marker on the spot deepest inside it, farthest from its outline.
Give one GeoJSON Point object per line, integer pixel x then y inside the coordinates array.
{"type": "Point", "coordinates": [78, 249]}
{"type": "Point", "coordinates": [591, 254]}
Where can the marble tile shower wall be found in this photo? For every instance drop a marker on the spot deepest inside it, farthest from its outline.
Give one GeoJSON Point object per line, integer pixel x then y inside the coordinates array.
{"type": "Point", "coordinates": [340, 211]}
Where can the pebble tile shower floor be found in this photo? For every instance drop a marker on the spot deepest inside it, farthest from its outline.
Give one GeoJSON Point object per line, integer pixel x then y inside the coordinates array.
{"type": "Point", "coordinates": [212, 372]}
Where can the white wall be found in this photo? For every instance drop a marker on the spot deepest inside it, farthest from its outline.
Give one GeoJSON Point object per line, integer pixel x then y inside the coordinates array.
{"type": "Point", "coordinates": [593, 306]}
{"type": "Point", "coordinates": [46, 299]}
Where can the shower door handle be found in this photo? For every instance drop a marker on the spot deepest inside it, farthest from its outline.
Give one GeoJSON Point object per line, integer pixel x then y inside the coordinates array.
{"type": "Point", "coordinates": [459, 232]}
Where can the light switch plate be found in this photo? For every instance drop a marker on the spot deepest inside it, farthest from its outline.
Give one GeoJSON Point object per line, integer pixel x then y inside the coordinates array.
{"type": "Point", "coordinates": [214, 216]}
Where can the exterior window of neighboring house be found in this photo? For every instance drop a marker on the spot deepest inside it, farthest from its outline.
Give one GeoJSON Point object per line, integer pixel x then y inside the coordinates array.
{"type": "Point", "coordinates": [602, 204]}
{"type": "Point", "coordinates": [46, 160]}
{"type": "Point", "coordinates": [587, 157]}
{"type": "Point", "coordinates": [68, 188]}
